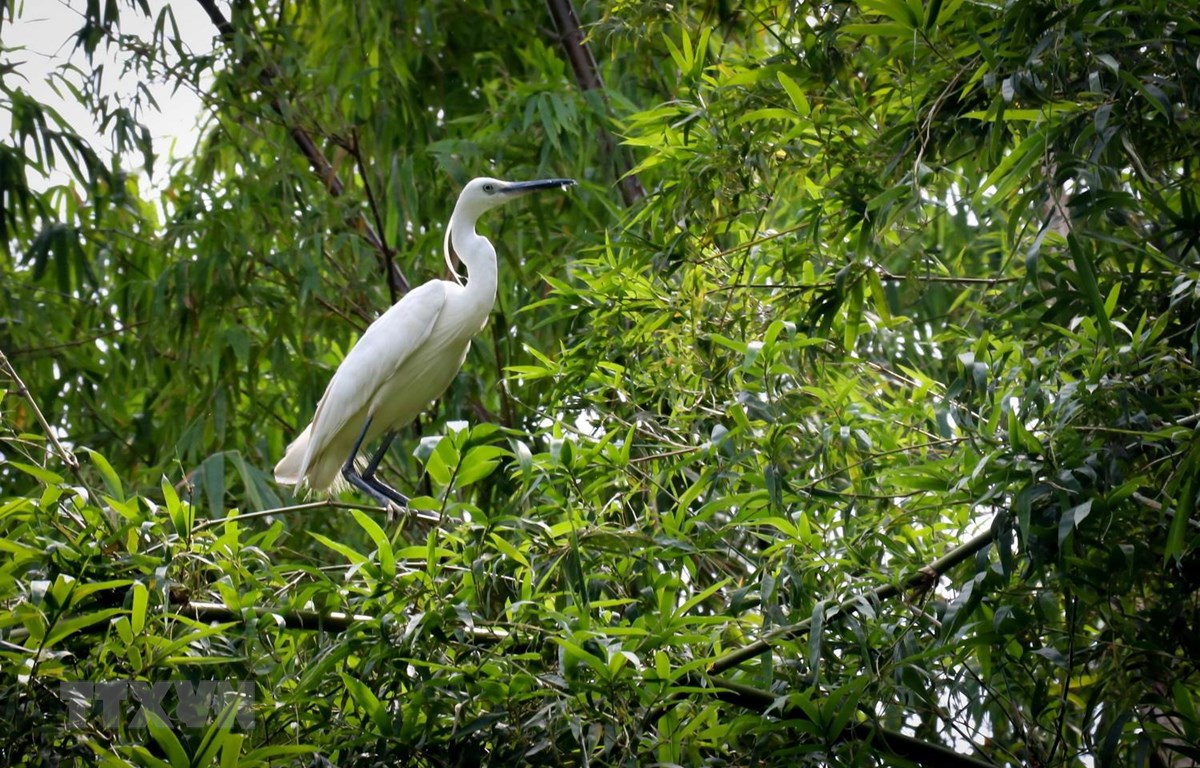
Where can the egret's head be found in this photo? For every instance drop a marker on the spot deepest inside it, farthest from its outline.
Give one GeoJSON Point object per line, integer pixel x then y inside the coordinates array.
{"type": "Point", "coordinates": [484, 194]}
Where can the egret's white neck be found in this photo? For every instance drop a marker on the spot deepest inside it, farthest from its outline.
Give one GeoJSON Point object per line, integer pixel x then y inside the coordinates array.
{"type": "Point", "coordinates": [476, 252]}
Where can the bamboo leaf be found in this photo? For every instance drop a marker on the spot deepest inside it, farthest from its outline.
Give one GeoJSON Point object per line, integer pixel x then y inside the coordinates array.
{"type": "Point", "coordinates": [794, 92]}
{"type": "Point", "coordinates": [387, 561]}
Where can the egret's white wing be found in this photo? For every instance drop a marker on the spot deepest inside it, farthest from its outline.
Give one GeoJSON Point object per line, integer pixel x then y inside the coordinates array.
{"type": "Point", "coordinates": [383, 348]}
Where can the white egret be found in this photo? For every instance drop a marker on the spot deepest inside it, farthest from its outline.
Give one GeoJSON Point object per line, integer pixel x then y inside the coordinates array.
{"type": "Point", "coordinates": [406, 358]}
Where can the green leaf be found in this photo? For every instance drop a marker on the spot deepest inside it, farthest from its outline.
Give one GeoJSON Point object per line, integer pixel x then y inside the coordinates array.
{"type": "Point", "coordinates": [1183, 702]}
{"type": "Point", "coordinates": [44, 475]}
{"type": "Point", "coordinates": [1086, 271]}
{"type": "Point", "coordinates": [112, 482]}
{"type": "Point", "coordinates": [695, 600]}
{"type": "Point", "coordinates": [166, 739]}
{"type": "Point", "coordinates": [897, 10]}
{"type": "Point", "coordinates": [799, 100]}
{"type": "Point", "coordinates": [383, 545]}
{"type": "Point", "coordinates": [681, 60]}
{"type": "Point", "coordinates": [1185, 508]}
{"type": "Point", "coordinates": [576, 653]}
{"type": "Point", "coordinates": [350, 554]}
{"type": "Point", "coordinates": [444, 457]}
{"type": "Point", "coordinates": [1071, 519]}
{"type": "Point", "coordinates": [854, 315]}
{"type": "Point", "coordinates": [846, 699]}
{"type": "Point", "coordinates": [479, 462]}
{"type": "Point", "coordinates": [767, 113]}
{"type": "Point", "coordinates": [137, 613]}
{"type": "Point", "coordinates": [508, 549]}
{"type": "Point", "coordinates": [218, 736]}
{"type": "Point", "coordinates": [212, 472]}
{"type": "Point", "coordinates": [816, 632]}
{"type": "Point", "coordinates": [260, 494]}
{"type": "Point", "coordinates": [1013, 171]}
{"type": "Point", "coordinates": [231, 749]}
{"type": "Point", "coordinates": [180, 514]}
{"type": "Point", "coordinates": [368, 702]}
{"type": "Point", "coordinates": [68, 627]}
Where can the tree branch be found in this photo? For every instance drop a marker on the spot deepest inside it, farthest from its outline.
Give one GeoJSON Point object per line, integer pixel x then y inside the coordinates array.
{"type": "Point", "coordinates": [898, 744]}
{"type": "Point", "coordinates": [761, 701]}
{"type": "Point", "coordinates": [397, 282]}
{"type": "Point", "coordinates": [587, 75]}
{"type": "Point", "coordinates": [919, 580]}
{"type": "Point", "coordinates": [292, 618]}
{"type": "Point", "coordinates": [310, 621]}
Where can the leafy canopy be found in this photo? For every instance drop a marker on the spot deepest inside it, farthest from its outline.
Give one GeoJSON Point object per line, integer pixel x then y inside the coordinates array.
{"type": "Point", "coordinates": [871, 428]}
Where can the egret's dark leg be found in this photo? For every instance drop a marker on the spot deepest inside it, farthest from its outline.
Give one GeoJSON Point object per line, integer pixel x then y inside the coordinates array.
{"type": "Point", "coordinates": [373, 464]}
{"type": "Point", "coordinates": [368, 475]}
{"type": "Point", "coordinates": [368, 483]}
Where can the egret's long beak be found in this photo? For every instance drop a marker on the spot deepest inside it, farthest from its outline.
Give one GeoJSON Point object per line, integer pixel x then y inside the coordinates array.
{"type": "Point", "coordinates": [521, 187]}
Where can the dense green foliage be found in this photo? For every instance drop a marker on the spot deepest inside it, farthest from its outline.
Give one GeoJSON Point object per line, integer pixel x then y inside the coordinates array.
{"type": "Point", "coordinates": [906, 275]}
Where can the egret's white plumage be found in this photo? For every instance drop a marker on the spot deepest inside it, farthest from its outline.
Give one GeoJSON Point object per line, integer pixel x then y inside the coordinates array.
{"type": "Point", "coordinates": [407, 357]}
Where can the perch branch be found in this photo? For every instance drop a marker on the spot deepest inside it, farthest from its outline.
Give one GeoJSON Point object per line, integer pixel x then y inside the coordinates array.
{"type": "Point", "coordinates": [200, 526]}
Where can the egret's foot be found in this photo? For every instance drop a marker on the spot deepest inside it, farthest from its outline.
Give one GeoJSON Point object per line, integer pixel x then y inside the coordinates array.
{"type": "Point", "coordinates": [389, 498]}
{"type": "Point", "coordinates": [386, 491]}
{"type": "Point", "coordinates": [376, 490]}
{"type": "Point", "coordinates": [397, 503]}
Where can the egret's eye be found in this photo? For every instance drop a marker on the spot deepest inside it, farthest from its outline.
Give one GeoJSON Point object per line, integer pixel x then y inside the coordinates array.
{"type": "Point", "coordinates": [489, 188]}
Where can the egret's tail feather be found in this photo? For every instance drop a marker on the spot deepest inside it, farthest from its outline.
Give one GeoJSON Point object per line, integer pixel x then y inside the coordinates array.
{"type": "Point", "coordinates": [323, 467]}
{"type": "Point", "coordinates": [288, 470]}
{"type": "Point", "coordinates": [318, 473]}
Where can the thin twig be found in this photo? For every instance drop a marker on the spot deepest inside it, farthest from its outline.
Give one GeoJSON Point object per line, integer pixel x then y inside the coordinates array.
{"type": "Point", "coordinates": [394, 289]}
{"type": "Point", "coordinates": [666, 454]}
{"type": "Point", "coordinates": [1066, 684]}
{"type": "Point", "coordinates": [812, 484]}
{"type": "Point", "coordinates": [886, 275]}
{"type": "Point", "coordinates": [292, 618]}
{"type": "Point", "coordinates": [1157, 506]}
{"type": "Point", "coordinates": [334, 621]}
{"type": "Point", "coordinates": [364, 318]}
{"type": "Point", "coordinates": [789, 287]}
{"type": "Point", "coordinates": [1147, 502]}
{"type": "Point", "coordinates": [65, 453]}
{"type": "Point", "coordinates": [31, 351]}
{"type": "Point", "coordinates": [750, 244]}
